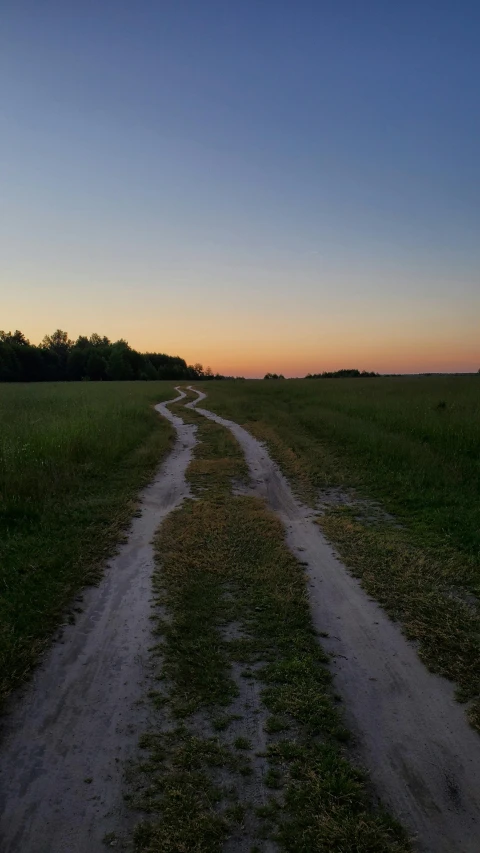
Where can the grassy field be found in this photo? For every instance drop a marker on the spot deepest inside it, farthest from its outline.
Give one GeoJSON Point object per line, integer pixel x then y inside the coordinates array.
{"type": "Point", "coordinates": [396, 464]}
{"type": "Point", "coordinates": [249, 745]}
{"type": "Point", "coordinates": [72, 460]}
{"type": "Point", "coordinates": [392, 465]}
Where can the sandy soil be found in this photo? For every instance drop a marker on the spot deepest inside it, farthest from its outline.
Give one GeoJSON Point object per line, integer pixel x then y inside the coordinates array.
{"type": "Point", "coordinates": [411, 734]}
{"type": "Point", "coordinates": [252, 718]}
{"type": "Point", "coordinates": [68, 735]}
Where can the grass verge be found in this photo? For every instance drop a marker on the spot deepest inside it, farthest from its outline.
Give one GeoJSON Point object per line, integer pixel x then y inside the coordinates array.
{"type": "Point", "coordinates": [410, 446]}
{"type": "Point", "coordinates": [249, 743]}
{"type": "Point", "coordinates": [415, 588]}
{"type": "Point", "coordinates": [73, 458]}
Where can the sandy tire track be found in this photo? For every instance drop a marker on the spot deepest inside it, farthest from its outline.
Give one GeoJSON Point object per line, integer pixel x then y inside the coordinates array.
{"type": "Point", "coordinates": [69, 733]}
{"type": "Point", "coordinates": [411, 734]}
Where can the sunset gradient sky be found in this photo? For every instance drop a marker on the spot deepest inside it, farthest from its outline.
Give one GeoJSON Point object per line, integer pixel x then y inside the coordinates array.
{"type": "Point", "coordinates": [263, 185]}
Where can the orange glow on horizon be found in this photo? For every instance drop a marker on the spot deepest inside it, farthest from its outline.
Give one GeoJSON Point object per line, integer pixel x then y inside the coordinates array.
{"type": "Point", "coordinates": [460, 358]}
{"type": "Point", "coordinates": [251, 349]}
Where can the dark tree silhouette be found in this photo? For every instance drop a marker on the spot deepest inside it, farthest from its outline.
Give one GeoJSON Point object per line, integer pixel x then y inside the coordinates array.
{"type": "Point", "coordinates": [94, 357]}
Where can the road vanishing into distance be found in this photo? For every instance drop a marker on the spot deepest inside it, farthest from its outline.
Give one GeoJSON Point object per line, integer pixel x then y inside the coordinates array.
{"type": "Point", "coordinates": [68, 735]}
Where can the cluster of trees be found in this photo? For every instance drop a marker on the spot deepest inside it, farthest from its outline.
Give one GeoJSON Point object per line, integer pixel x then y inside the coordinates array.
{"type": "Point", "coordinates": [95, 357]}
{"type": "Point", "coordinates": [341, 374]}
{"type": "Point", "coordinates": [274, 376]}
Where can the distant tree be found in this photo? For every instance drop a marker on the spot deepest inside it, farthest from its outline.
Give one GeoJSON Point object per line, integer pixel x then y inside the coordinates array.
{"type": "Point", "coordinates": [149, 370]}
{"type": "Point", "coordinates": [82, 342]}
{"type": "Point", "coordinates": [341, 374]}
{"type": "Point", "coordinates": [119, 366]}
{"type": "Point", "coordinates": [17, 338]}
{"type": "Point", "coordinates": [90, 357]}
{"type": "Point", "coordinates": [136, 361]}
{"type": "Point", "coordinates": [76, 362]}
{"type": "Point", "coordinates": [96, 366]}
{"type": "Point", "coordinates": [98, 341]}
{"type": "Point", "coordinates": [58, 346]}
{"type": "Point", "coordinates": [31, 361]}
{"type": "Point", "coordinates": [20, 361]}
{"type": "Point", "coordinates": [170, 367]}
{"type": "Point", "coordinates": [58, 341]}
{"type": "Point", "coordinates": [9, 365]}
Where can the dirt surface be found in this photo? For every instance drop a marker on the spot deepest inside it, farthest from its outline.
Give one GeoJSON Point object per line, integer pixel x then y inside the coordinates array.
{"type": "Point", "coordinates": [252, 716]}
{"type": "Point", "coordinates": [67, 737]}
{"type": "Point", "coordinates": [411, 734]}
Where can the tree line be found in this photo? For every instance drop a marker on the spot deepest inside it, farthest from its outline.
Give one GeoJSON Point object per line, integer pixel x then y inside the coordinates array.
{"type": "Point", "coordinates": [341, 374]}
{"type": "Point", "coordinates": [329, 374]}
{"type": "Point", "coordinates": [95, 358]}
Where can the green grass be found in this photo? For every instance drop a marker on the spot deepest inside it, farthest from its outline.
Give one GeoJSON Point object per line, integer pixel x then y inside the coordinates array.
{"type": "Point", "coordinates": [389, 436]}
{"type": "Point", "coordinates": [72, 460]}
{"type": "Point", "coordinates": [179, 771]}
{"type": "Point", "coordinates": [242, 743]}
{"type": "Point", "coordinates": [411, 445]}
{"type": "Point", "coordinates": [222, 561]}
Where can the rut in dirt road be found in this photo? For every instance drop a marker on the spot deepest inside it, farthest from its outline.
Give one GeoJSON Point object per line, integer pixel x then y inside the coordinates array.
{"type": "Point", "coordinates": [423, 758]}
{"type": "Point", "coordinates": [66, 739]}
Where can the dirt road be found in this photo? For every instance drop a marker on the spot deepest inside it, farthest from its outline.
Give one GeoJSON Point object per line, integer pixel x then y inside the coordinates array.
{"type": "Point", "coordinates": [423, 758]}
{"type": "Point", "coordinates": [66, 740]}
{"type": "Point", "coordinates": [65, 743]}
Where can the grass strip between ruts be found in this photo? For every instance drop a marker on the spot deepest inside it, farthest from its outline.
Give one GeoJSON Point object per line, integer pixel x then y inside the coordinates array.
{"type": "Point", "coordinates": [222, 562]}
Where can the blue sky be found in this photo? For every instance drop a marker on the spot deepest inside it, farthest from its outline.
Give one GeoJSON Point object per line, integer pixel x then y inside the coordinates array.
{"type": "Point", "coordinates": [255, 185]}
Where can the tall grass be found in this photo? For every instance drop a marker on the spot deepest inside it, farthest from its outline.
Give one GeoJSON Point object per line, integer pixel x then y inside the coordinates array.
{"type": "Point", "coordinates": [414, 443]}
{"type": "Point", "coordinates": [72, 459]}
{"type": "Point", "coordinates": [53, 436]}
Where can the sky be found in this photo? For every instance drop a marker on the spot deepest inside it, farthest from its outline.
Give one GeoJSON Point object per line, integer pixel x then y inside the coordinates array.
{"type": "Point", "coordinates": [257, 185]}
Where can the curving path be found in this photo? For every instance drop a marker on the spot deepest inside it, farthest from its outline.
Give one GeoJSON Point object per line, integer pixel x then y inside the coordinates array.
{"type": "Point", "coordinates": [423, 757]}
{"type": "Point", "coordinates": [65, 744]}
